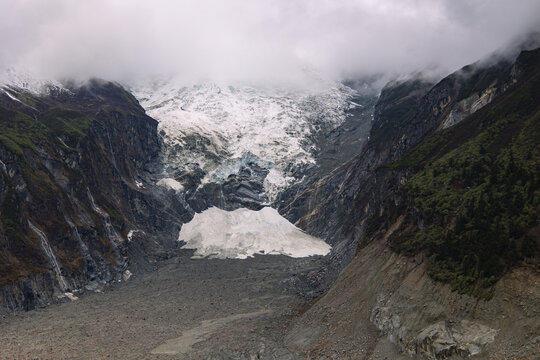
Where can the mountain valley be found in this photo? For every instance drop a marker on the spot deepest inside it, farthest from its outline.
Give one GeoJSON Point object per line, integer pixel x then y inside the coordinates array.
{"type": "Point", "coordinates": [153, 221]}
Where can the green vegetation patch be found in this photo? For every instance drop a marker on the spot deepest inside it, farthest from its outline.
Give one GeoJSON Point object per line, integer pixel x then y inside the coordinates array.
{"type": "Point", "coordinates": [20, 131]}
{"type": "Point", "coordinates": [67, 123]}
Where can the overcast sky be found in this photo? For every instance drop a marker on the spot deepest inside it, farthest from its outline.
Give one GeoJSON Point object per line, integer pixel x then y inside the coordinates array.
{"type": "Point", "coordinates": [228, 40]}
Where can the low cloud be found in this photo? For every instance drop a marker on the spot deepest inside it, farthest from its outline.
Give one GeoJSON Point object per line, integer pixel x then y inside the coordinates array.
{"type": "Point", "coordinates": [263, 40]}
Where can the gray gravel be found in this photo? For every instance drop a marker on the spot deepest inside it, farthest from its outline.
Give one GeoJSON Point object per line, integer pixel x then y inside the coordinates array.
{"type": "Point", "coordinates": [187, 309]}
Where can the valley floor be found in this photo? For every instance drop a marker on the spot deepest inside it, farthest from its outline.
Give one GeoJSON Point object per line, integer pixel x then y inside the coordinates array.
{"type": "Point", "coordinates": [187, 309]}
{"type": "Point", "coordinates": [224, 309]}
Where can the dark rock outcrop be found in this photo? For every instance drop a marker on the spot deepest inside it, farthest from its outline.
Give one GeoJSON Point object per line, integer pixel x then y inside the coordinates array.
{"type": "Point", "coordinates": [76, 178]}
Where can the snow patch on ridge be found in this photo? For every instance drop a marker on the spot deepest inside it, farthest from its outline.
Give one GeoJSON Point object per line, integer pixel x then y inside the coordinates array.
{"type": "Point", "coordinates": [242, 233]}
{"type": "Point", "coordinates": [26, 81]}
{"type": "Point", "coordinates": [11, 96]}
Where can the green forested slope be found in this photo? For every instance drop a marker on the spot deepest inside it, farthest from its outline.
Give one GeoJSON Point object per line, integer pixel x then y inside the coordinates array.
{"type": "Point", "coordinates": [476, 186]}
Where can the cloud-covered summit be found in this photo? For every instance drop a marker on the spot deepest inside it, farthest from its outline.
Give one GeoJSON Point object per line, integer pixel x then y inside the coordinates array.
{"type": "Point", "coordinates": [238, 40]}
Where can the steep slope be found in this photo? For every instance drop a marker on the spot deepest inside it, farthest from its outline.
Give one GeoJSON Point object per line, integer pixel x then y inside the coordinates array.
{"type": "Point", "coordinates": [430, 204]}
{"type": "Point", "coordinates": [337, 206]}
{"type": "Point", "coordinates": [73, 202]}
{"type": "Point", "coordinates": [475, 189]}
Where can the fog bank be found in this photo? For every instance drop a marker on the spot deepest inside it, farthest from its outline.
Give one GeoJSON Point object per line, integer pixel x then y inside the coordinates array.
{"type": "Point", "coordinates": [264, 40]}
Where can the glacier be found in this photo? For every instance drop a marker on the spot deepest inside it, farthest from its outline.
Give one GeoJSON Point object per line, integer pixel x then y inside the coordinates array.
{"type": "Point", "coordinates": [221, 128]}
{"type": "Point", "coordinates": [241, 233]}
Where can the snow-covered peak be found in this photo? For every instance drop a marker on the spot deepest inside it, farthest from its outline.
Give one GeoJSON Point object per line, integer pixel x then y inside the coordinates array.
{"type": "Point", "coordinates": [220, 127]}
{"type": "Point", "coordinates": [26, 81]}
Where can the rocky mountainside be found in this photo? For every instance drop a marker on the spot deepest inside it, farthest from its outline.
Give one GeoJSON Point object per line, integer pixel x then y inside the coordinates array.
{"type": "Point", "coordinates": [75, 208]}
{"type": "Point", "coordinates": [337, 207]}
{"type": "Point", "coordinates": [439, 215]}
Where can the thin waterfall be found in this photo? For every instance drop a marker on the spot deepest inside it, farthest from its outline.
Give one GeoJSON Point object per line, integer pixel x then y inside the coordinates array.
{"type": "Point", "coordinates": [111, 232]}
{"type": "Point", "coordinates": [46, 247]}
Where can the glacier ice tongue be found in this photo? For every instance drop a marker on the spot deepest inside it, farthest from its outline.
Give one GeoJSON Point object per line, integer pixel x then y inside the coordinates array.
{"type": "Point", "coordinates": [242, 233]}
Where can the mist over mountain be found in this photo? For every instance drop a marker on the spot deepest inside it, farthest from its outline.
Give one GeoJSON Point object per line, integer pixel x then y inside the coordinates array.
{"type": "Point", "coordinates": [266, 41]}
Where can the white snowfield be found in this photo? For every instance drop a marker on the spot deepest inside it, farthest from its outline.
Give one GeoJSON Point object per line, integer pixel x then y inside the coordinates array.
{"type": "Point", "coordinates": [241, 233]}
{"type": "Point", "coordinates": [223, 127]}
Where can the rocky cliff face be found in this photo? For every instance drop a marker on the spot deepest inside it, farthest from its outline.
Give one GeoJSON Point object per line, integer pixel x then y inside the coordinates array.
{"type": "Point", "coordinates": [75, 192]}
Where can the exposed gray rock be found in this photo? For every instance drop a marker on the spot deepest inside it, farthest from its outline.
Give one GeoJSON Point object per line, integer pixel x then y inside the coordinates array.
{"type": "Point", "coordinates": [444, 339]}
{"type": "Point", "coordinates": [436, 341]}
